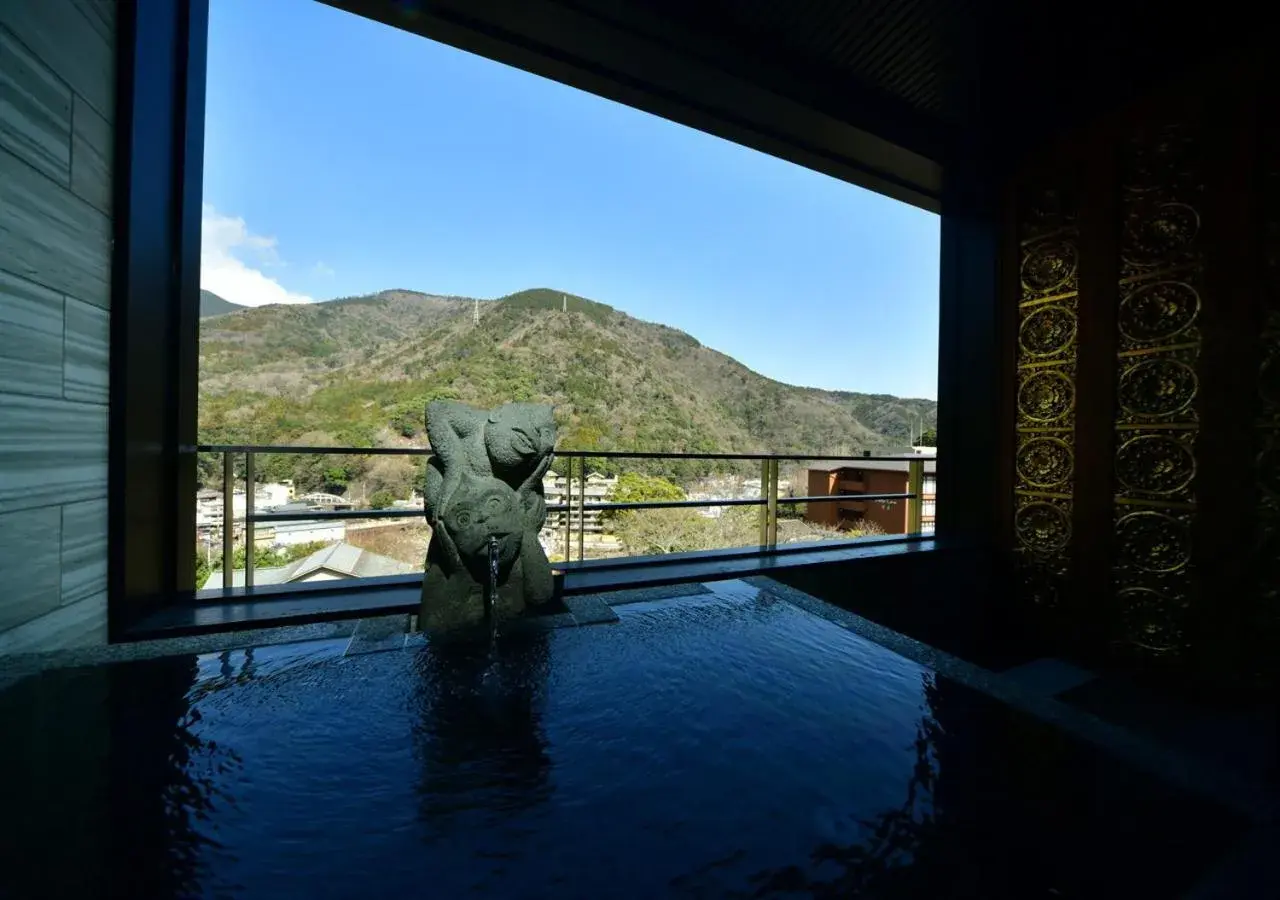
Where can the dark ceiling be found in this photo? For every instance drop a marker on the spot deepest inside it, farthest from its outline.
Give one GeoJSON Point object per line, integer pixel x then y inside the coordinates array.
{"type": "Point", "coordinates": [944, 67]}
{"type": "Point", "coordinates": [883, 93]}
{"type": "Point", "coordinates": [917, 52]}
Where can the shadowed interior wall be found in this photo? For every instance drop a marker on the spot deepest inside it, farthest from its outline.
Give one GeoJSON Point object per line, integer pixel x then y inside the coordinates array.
{"type": "Point", "coordinates": [57, 103]}
{"type": "Point", "coordinates": [1141, 341]}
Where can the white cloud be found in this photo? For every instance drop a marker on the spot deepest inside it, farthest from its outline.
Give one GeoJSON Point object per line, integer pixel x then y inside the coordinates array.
{"type": "Point", "coordinates": [323, 271]}
{"type": "Point", "coordinates": [227, 250]}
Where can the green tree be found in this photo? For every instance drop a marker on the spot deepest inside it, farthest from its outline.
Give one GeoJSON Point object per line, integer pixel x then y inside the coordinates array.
{"type": "Point", "coordinates": [406, 420]}
{"type": "Point", "coordinates": [295, 552]}
{"type": "Point", "coordinates": [394, 475]}
{"type": "Point", "coordinates": [654, 531]}
{"type": "Point", "coordinates": [263, 558]}
{"type": "Point", "coordinates": [381, 500]}
{"type": "Point", "coordinates": [202, 569]}
{"type": "Point", "coordinates": [928, 438]}
{"type": "Point", "coordinates": [329, 473]}
{"type": "Point", "coordinates": [632, 487]}
{"type": "Point", "coordinates": [645, 532]}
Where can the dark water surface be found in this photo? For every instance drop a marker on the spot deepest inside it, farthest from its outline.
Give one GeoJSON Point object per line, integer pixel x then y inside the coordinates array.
{"type": "Point", "coordinates": [721, 745]}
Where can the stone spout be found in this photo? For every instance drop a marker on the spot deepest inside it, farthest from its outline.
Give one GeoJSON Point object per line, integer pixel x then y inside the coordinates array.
{"type": "Point", "coordinates": [485, 505]}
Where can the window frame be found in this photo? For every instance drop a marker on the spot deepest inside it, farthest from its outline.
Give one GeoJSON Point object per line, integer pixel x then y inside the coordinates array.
{"type": "Point", "coordinates": [158, 197]}
{"type": "Point", "coordinates": [155, 307]}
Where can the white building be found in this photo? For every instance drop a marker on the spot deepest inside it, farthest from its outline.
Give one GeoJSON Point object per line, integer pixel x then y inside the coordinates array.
{"type": "Point", "coordinates": [598, 489]}
{"type": "Point", "coordinates": [306, 531]}
{"type": "Point", "coordinates": [265, 496]}
{"type": "Point", "coordinates": [273, 494]}
{"type": "Point", "coordinates": [730, 487]}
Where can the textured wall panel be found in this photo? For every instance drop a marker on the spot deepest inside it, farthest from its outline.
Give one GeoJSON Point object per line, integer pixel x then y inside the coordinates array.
{"type": "Point", "coordinates": [1161, 292]}
{"type": "Point", "coordinates": [31, 338]}
{"type": "Point", "coordinates": [57, 87]}
{"type": "Point", "coordinates": [1045, 403]}
{"type": "Point", "coordinates": [35, 111]}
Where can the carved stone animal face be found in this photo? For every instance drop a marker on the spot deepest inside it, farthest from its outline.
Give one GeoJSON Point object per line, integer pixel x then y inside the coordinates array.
{"type": "Point", "coordinates": [484, 507]}
{"type": "Point", "coordinates": [517, 435]}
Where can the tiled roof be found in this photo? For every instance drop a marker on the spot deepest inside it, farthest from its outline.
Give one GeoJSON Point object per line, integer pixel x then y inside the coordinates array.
{"type": "Point", "coordinates": [342, 559]}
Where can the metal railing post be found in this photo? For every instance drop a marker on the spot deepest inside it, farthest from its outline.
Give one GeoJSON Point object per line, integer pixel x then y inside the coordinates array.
{"type": "Point", "coordinates": [567, 500]}
{"type": "Point", "coordinates": [769, 500]}
{"type": "Point", "coordinates": [582, 508]}
{"type": "Point", "coordinates": [249, 481]}
{"type": "Point", "coordinates": [228, 519]}
{"type": "Point", "coordinates": [764, 510]}
{"type": "Point", "coordinates": [915, 487]}
{"type": "Point", "coordinates": [772, 506]}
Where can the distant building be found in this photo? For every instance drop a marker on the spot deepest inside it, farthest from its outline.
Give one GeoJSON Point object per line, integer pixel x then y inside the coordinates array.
{"type": "Point", "coordinates": [303, 531]}
{"type": "Point", "coordinates": [273, 494]}
{"type": "Point", "coordinates": [265, 496]}
{"type": "Point", "coordinates": [330, 564]}
{"type": "Point", "coordinates": [209, 504]}
{"type": "Point", "coordinates": [557, 492]}
{"type": "Point", "coordinates": [729, 487]}
{"type": "Point", "coordinates": [852, 479]}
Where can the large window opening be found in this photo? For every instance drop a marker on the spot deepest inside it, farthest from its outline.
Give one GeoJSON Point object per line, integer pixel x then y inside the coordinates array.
{"type": "Point", "coordinates": [389, 221]}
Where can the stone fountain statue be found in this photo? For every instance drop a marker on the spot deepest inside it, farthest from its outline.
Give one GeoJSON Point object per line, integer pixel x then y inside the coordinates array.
{"type": "Point", "coordinates": [485, 504]}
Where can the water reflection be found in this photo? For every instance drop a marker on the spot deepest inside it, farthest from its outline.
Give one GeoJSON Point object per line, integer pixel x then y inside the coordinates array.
{"type": "Point", "coordinates": [166, 781]}
{"type": "Point", "coordinates": [886, 859]}
{"type": "Point", "coordinates": [1001, 805]}
{"type": "Point", "coordinates": [227, 668]}
{"type": "Point", "coordinates": [694, 754]}
{"type": "Point", "coordinates": [479, 737]}
{"type": "Point", "coordinates": [108, 783]}
{"type": "Point", "coordinates": [961, 828]}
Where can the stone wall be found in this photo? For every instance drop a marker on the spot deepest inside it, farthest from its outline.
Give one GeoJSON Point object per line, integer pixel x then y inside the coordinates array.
{"type": "Point", "coordinates": [57, 101]}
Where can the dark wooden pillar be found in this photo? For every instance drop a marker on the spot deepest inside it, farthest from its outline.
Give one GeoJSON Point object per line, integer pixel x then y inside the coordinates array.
{"type": "Point", "coordinates": [1227, 403]}
{"type": "Point", "coordinates": [1092, 553]}
{"type": "Point", "coordinates": [970, 363]}
{"type": "Point", "coordinates": [972, 456]}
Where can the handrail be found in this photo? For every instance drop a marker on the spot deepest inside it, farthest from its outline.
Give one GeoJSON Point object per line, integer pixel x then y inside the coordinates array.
{"type": "Point", "coordinates": [319, 515]}
{"type": "Point", "coordinates": [576, 454]}
{"type": "Point", "coordinates": [575, 508]}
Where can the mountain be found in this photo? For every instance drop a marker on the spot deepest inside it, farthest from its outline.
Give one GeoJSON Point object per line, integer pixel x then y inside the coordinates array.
{"type": "Point", "coordinates": [213, 305]}
{"type": "Point", "coordinates": [358, 371]}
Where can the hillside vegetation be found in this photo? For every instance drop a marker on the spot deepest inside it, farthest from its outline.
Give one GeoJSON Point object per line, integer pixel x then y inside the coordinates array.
{"type": "Point", "coordinates": [213, 305]}
{"type": "Point", "coordinates": [359, 371]}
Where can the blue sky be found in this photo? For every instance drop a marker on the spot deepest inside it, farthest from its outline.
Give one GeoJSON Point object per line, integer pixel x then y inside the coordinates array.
{"type": "Point", "coordinates": [343, 157]}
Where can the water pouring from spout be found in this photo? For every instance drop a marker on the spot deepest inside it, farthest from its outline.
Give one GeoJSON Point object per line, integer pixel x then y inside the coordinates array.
{"type": "Point", "coordinates": [491, 591]}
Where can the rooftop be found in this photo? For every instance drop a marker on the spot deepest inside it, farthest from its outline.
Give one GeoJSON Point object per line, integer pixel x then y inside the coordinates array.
{"type": "Point", "coordinates": [879, 465]}
{"type": "Point", "coordinates": [342, 560]}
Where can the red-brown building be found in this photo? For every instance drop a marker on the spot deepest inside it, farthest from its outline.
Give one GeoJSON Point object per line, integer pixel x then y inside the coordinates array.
{"type": "Point", "coordinates": [880, 476]}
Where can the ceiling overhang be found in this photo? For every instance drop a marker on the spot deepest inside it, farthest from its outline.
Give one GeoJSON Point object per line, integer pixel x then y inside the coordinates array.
{"type": "Point", "coordinates": [862, 138]}
{"type": "Point", "coordinates": [885, 94]}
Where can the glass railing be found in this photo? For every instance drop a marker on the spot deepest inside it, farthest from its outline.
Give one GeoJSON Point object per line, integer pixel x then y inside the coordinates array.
{"type": "Point", "coordinates": [358, 513]}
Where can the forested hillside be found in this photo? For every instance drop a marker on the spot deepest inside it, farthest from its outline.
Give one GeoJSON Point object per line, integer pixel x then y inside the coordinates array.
{"type": "Point", "coordinates": [359, 371]}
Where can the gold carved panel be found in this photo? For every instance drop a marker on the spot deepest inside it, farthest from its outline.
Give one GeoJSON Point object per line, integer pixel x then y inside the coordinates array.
{"type": "Point", "coordinates": [1158, 342]}
{"type": "Point", "coordinates": [1153, 561]}
{"type": "Point", "coordinates": [1045, 401]}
